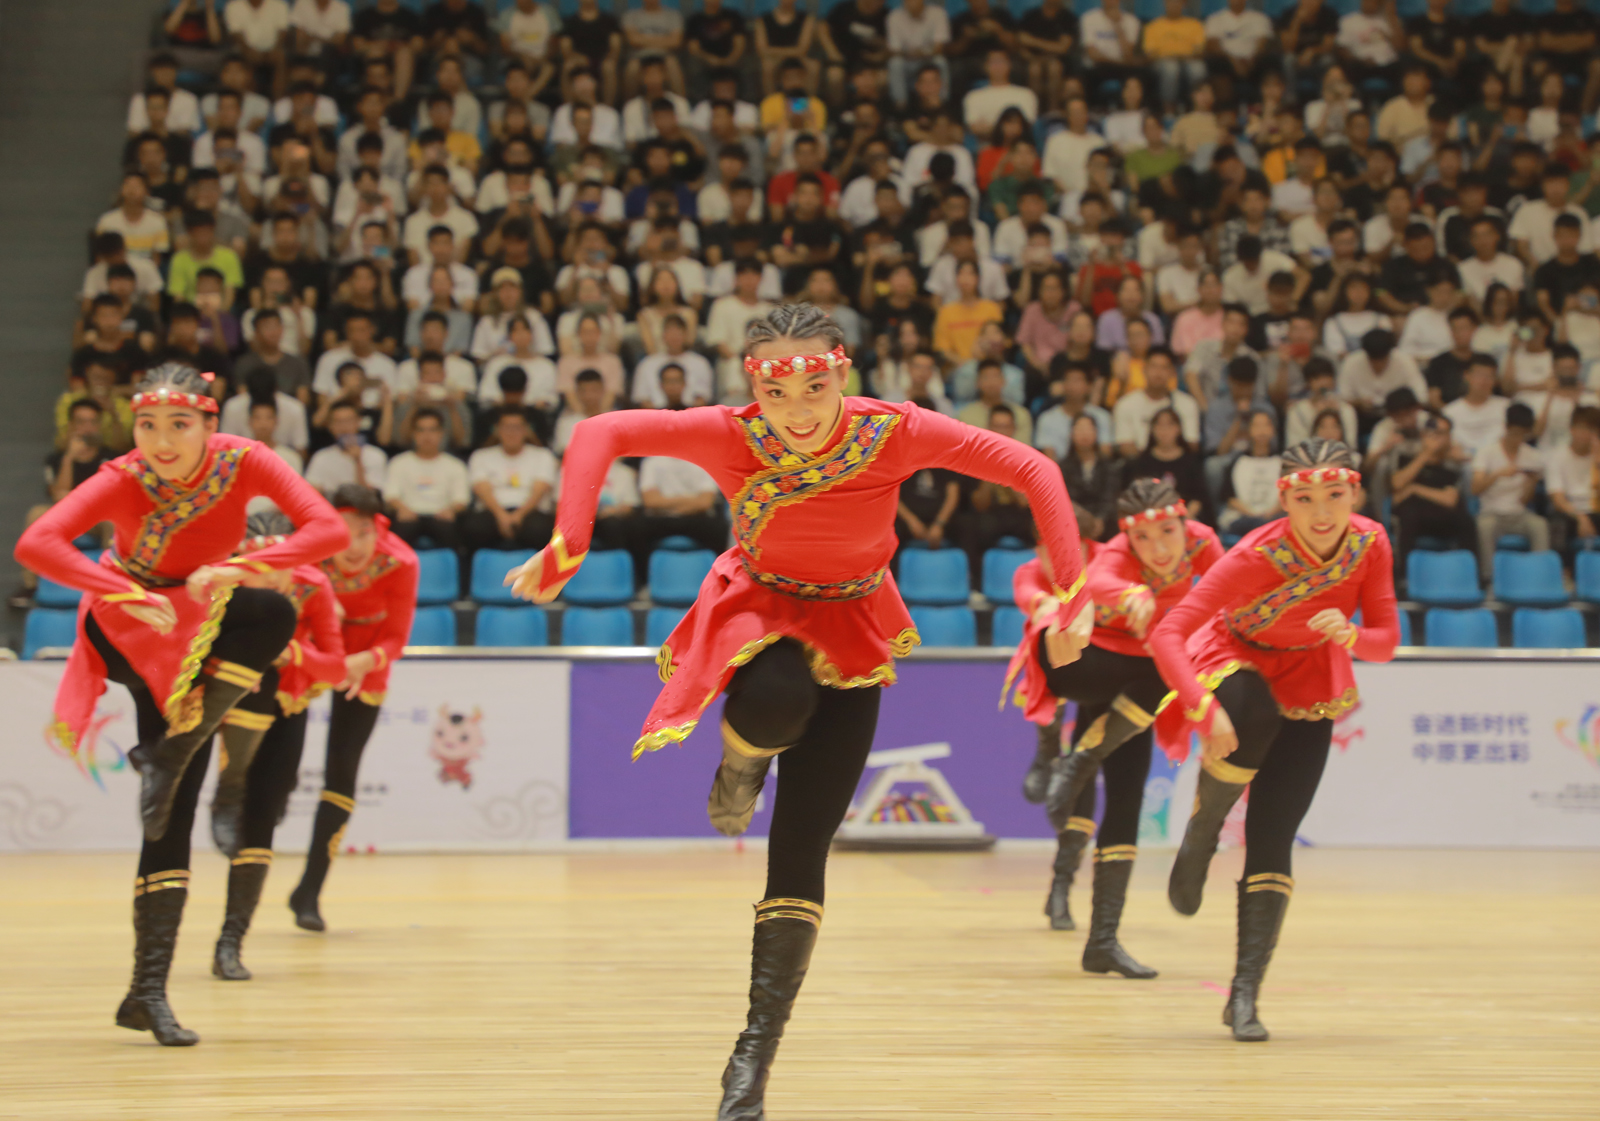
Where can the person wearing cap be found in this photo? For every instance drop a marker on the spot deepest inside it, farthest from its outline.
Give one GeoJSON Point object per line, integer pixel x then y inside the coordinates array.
{"type": "Point", "coordinates": [1505, 475]}
{"type": "Point", "coordinates": [1367, 375]}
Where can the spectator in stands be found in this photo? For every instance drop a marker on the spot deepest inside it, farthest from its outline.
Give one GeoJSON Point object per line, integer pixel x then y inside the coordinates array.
{"type": "Point", "coordinates": [426, 488]}
{"type": "Point", "coordinates": [1248, 497]}
{"type": "Point", "coordinates": [992, 391]}
{"type": "Point", "coordinates": [1367, 375]}
{"type": "Point", "coordinates": [350, 458]}
{"type": "Point", "coordinates": [1478, 417]}
{"type": "Point", "coordinates": [1134, 412]}
{"type": "Point", "coordinates": [539, 371]}
{"type": "Point", "coordinates": [1505, 475]}
{"type": "Point", "coordinates": [590, 397]}
{"type": "Point", "coordinates": [590, 356]}
{"type": "Point", "coordinates": [97, 383]}
{"type": "Point", "coordinates": [360, 346]}
{"type": "Point", "coordinates": [289, 415]}
{"type": "Point", "coordinates": [1167, 455]}
{"type": "Point", "coordinates": [82, 454]}
{"type": "Point", "coordinates": [1054, 426]}
{"type": "Point", "coordinates": [433, 392]}
{"type": "Point", "coordinates": [203, 252]}
{"type": "Point", "coordinates": [958, 323]}
{"type": "Point", "coordinates": [1570, 478]}
{"type": "Point", "coordinates": [514, 482]}
{"type": "Point", "coordinates": [1305, 413]}
{"type": "Point", "coordinates": [1425, 485]}
{"type": "Point", "coordinates": [263, 428]}
{"type": "Point", "coordinates": [458, 30]}
{"type": "Point", "coordinates": [1567, 271]}
{"type": "Point", "coordinates": [725, 328]}
{"type": "Point", "coordinates": [678, 499]}
{"type": "Point", "coordinates": [1533, 226]}
{"type": "Point", "coordinates": [699, 379]}
{"type": "Point", "coordinates": [1203, 371]}
{"type": "Point", "coordinates": [1428, 332]}
{"type": "Point", "coordinates": [183, 345]}
{"type": "Point", "coordinates": [1370, 41]}
{"type": "Point", "coordinates": [1446, 373]}
{"type": "Point", "coordinates": [1225, 427]}
{"type": "Point", "coordinates": [928, 502]}
{"type": "Point", "coordinates": [143, 230]}
{"type": "Point", "coordinates": [108, 340]}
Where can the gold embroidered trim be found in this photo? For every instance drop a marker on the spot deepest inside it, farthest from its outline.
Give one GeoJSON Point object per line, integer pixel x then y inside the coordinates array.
{"type": "Point", "coordinates": [182, 710]}
{"type": "Point", "coordinates": [1270, 881]}
{"type": "Point", "coordinates": [343, 801]}
{"type": "Point", "coordinates": [803, 909]}
{"type": "Point", "coordinates": [1093, 737]}
{"type": "Point", "coordinates": [1080, 825]}
{"type": "Point", "coordinates": [292, 705]}
{"type": "Point", "coordinates": [737, 744]}
{"type": "Point", "coordinates": [1324, 710]}
{"type": "Point", "coordinates": [336, 841]}
{"type": "Point", "coordinates": [249, 721]}
{"type": "Point", "coordinates": [664, 663]}
{"type": "Point", "coordinates": [253, 856]}
{"type": "Point", "coordinates": [1131, 712]}
{"type": "Point", "coordinates": [1114, 853]}
{"type": "Point", "coordinates": [160, 881]}
{"type": "Point", "coordinates": [372, 697]}
{"type": "Point", "coordinates": [1224, 771]}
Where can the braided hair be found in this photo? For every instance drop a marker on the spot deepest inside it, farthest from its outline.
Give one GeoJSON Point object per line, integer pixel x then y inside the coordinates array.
{"type": "Point", "coordinates": [177, 376]}
{"type": "Point", "coordinates": [793, 321]}
{"type": "Point", "coordinates": [1146, 494]}
{"type": "Point", "coordinates": [358, 499]}
{"type": "Point", "coordinates": [268, 523]}
{"type": "Point", "coordinates": [1318, 452]}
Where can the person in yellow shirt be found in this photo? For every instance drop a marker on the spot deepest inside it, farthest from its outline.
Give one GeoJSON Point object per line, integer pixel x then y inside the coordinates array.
{"type": "Point", "coordinates": [1278, 164]}
{"type": "Point", "coordinates": [1175, 43]}
{"type": "Point", "coordinates": [1405, 118]}
{"type": "Point", "coordinates": [959, 322]}
{"type": "Point", "coordinates": [462, 147]}
{"type": "Point", "coordinates": [779, 108]}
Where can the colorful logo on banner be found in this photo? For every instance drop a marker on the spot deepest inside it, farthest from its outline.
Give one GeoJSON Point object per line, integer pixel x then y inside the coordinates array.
{"type": "Point", "coordinates": [87, 757]}
{"type": "Point", "coordinates": [1582, 735]}
{"type": "Point", "coordinates": [456, 744]}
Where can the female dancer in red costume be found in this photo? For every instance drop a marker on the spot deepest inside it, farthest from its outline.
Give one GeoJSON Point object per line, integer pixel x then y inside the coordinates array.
{"type": "Point", "coordinates": [263, 737]}
{"type": "Point", "coordinates": [163, 615]}
{"type": "Point", "coordinates": [375, 580]}
{"type": "Point", "coordinates": [800, 622]}
{"type": "Point", "coordinates": [1259, 655]}
{"type": "Point", "coordinates": [1135, 579]}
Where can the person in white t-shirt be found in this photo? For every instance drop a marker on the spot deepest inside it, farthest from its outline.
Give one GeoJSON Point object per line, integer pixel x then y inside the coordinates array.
{"type": "Point", "coordinates": [1478, 417]}
{"type": "Point", "coordinates": [514, 482]}
{"type": "Point", "coordinates": [698, 376]}
{"type": "Point", "coordinates": [982, 107]}
{"type": "Point", "coordinates": [350, 458]}
{"type": "Point", "coordinates": [1572, 480]}
{"type": "Point", "coordinates": [678, 499]}
{"type": "Point", "coordinates": [259, 30]}
{"type": "Point", "coordinates": [1504, 477]}
{"type": "Point", "coordinates": [1533, 226]}
{"type": "Point", "coordinates": [1111, 43]}
{"type": "Point", "coordinates": [1066, 153]}
{"type": "Point", "coordinates": [1239, 38]}
{"type": "Point", "coordinates": [320, 26]}
{"type": "Point", "coordinates": [183, 108]}
{"type": "Point", "coordinates": [1488, 265]}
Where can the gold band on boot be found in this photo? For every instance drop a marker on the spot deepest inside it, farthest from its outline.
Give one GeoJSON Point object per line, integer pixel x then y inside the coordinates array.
{"type": "Point", "coordinates": [802, 909]}
{"type": "Point", "coordinates": [1093, 736]}
{"type": "Point", "coordinates": [233, 673]}
{"type": "Point", "coordinates": [1223, 771]}
{"type": "Point", "coordinates": [1113, 853]}
{"type": "Point", "coordinates": [253, 856]}
{"type": "Point", "coordinates": [341, 801]}
{"type": "Point", "coordinates": [737, 744]}
{"type": "Point", "coordinates": [1131, 712]}
{"type": "Point", "coordinates": [1080, 825]}
{"type": "Point", "coordinates": [1270, 881]}
{"type": "Point", "coordinates": [160, 881]}
{"type": "Point", "coordinates": [249, 721]}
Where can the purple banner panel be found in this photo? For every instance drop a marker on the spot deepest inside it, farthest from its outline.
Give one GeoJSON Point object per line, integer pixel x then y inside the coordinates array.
{"type": "Point", "coordinates": [664, 793]}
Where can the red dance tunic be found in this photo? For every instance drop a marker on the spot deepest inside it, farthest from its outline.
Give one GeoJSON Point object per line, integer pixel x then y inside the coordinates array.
{"type": "Point", "coordinates": [164, 532]}
{"type": "Point", "coordinates": [314, 660]}
{"type": "Point", "coordinates": [379, 602]}
{"type": "Point", "coordinates": [1252, 611]}
{"type": "Point", "coordinates": [814, 537]}
{"type": "Point", "coordinates": [1115, 574]}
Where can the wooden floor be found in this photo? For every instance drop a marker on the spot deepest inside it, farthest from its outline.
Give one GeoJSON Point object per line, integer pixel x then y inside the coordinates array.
{"type": "Point", "coordinates": [1413, 985]}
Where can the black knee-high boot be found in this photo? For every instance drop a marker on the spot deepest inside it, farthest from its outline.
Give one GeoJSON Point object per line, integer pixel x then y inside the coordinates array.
{"type": "Point", "coordinates": [1263, 900]}
{"type": "Point", "coordinates": [1219, 788]}
{"type": "Point", "coordinates": [221, 685]}
{"type": "Point", "coordinates": [1035, 782]}
{"type": "Point", "coordinates": [738, 782]}
{"type": "Point", "coordinates": [1071, 773]}
{"type": "Point", "coordinates": [158, 901]}
{"type": "Point", "coordinates": [1102, 953]}
{"type": "Point", "coordinates": [246, 875]}
{"type": "Point", "coordinates": [241, 734]}
{"type": "Point", "coordinates": [1070, 843]}
{"type": "Point", "coordinates": [333, 814]}
{"type": "Point", "coordinates": [786, 932]}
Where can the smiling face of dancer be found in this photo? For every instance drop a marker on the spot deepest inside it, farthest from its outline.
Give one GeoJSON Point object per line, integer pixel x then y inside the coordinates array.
{"type": "Point", "coordinates": [1319, 512]}
{"type": "Point", "coordinates": [173, 439]}
{"type": "Point", "coordinates": [803, 409]}
{"type": "Point", "coordinates": [1160, 546]}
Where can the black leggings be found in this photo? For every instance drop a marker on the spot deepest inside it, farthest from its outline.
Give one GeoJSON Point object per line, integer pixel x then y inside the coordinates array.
{"type": "Point", "coordinates": [274, 773]}
{"type": "Point", "coordinates": [350, 725]}
{"type": "Point", "coordinates": [1288, 757]}
{"type": "Point", "coordinates": [1094, 681]}
{"type": "Point", "coordinates": [773, 702]}
{"type": "Point", "coordinates": [255, 628]}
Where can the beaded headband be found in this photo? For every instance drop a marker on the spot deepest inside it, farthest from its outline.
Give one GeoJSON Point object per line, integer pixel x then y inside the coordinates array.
{"type": "Point", "coordinates": [799, 364]}
{"type": "Point", "coordinates": [1155, 514]}
{"type": "Point", "coordinates": [251, 544]}
{"type": "Point", "coordinates": [1310, 475]}
{"type": "Point", "coordinates": [176, 398]}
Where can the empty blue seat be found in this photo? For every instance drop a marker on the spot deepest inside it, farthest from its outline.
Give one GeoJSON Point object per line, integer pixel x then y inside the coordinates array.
{"type": "Point", "coordinates": [1588, 577]}
{"type": "Point", "coordinates": [1559, 628]}
{"type": "Point", "coordinates": [597, 626]}
{"type": "Point", "coordinates": [605, 579]}
{"type": "Point", "coordinates": [1512, 543]}
{"type": "Point", "coordinates": [934, 576]}
{"type": "Point", "coordinates": [999, 565]}
{"type": "Point", "coordinates": [1229, 540]}
{"type": "Point", "coordinates": [1529, 578]}
{"type": "Point", "coordinates": [1443, 578]}
{"type": "Point", "coordinates": [675, 577]}
{"type": "Point", "coordinates": [1474, 627]}
{"type": "Point", "coordinates": [51, 594]}
{"type": "Point", "coordinates": [945, 626]}
{"type": "Point", "coordinates": [513, 626]}
{"type": "Point", "coordinates": [678, 541]}
{"type": "Point", "coordinates": [489, 568]}
{"type": "Point", "coordinates": [433, 626]}
{"type": "Point", "coordinates": [1007, 626]}
{"type": "Point", "coordinates": [48, 627]}
{"type": "Point", "coordinates": [659, 622]}
{"type": "Point", "coordinates": [438, 576]}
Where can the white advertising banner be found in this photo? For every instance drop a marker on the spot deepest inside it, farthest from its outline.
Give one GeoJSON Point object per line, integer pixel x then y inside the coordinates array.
{"type": "Point", "coordinates": [466, 754]}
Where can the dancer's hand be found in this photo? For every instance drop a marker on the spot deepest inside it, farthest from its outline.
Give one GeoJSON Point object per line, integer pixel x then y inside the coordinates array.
{"type": "Point", "coordinates": [155, 611]}
{"type": "Point", "coordinates": [1220, 740]}
{"type": "Point", "coordinates": [1332, 622]}
{"type": "Point", "coordinates": [208, 579]}
{"type": "Point", "coordinates": [356, 668]}
{"type": "Point", "coordinates": [1141, 609]}
{"type": "Point", "coordinates": [524, 581]}
{"type": "Point", "coordinates": [1064, 645]}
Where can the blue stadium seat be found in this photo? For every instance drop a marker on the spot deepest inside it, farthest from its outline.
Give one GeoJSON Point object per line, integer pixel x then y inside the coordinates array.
{"type": "Point", "coordinates": [606, 579]}
{"type": "Point", "coordinates": [433, 626]}
{"type": "Point", "coordinates": [659, 622]}
{"type": "Point", "coordinates": [1474, 627]}
{"type": "Point", "coordinates": [945, 626]}
{"type": "Point", "coordinates": [597, 626]}
{"type": "Point", "coordinates": [51, 594]}
{"type": "Point", "coordinates": [1512, 543]}
{"type": "Point", "coordinates": [675, 577]}
{"type": "Point", "coordinates": [1443, 578]}
{"type": "Point", "coordinates": [48, 627]}
{"type": "Point", "coordinates": [1229, 540]}
{"type": "Point", "coordinates": [1588, 577]}
{"type": "Point", "coordinates": [489, 568]}
{"type": "Point", "coordinates": [999, 565]}
{"type": "Point", "coordinates": [513, 626]}
{"type": "Point", "coordinates": [1007, 626]}
{"type": "Point", "coordinates": [678, 541]}
{"type": "Point", "coordinates": [88, 543]}
{"type": "Point", "coordinates": [438, 576]}
{"type": "Point", "coordinates": [934, 576]}
{"type": "Point", "coordinates": [1529, 578]}
{"type": "Point", "coordinates": [1559, 628]}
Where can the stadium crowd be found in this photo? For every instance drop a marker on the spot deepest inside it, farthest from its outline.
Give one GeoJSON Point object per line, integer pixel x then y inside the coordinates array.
{"type": "Point", "coordinates": [417, 245]}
